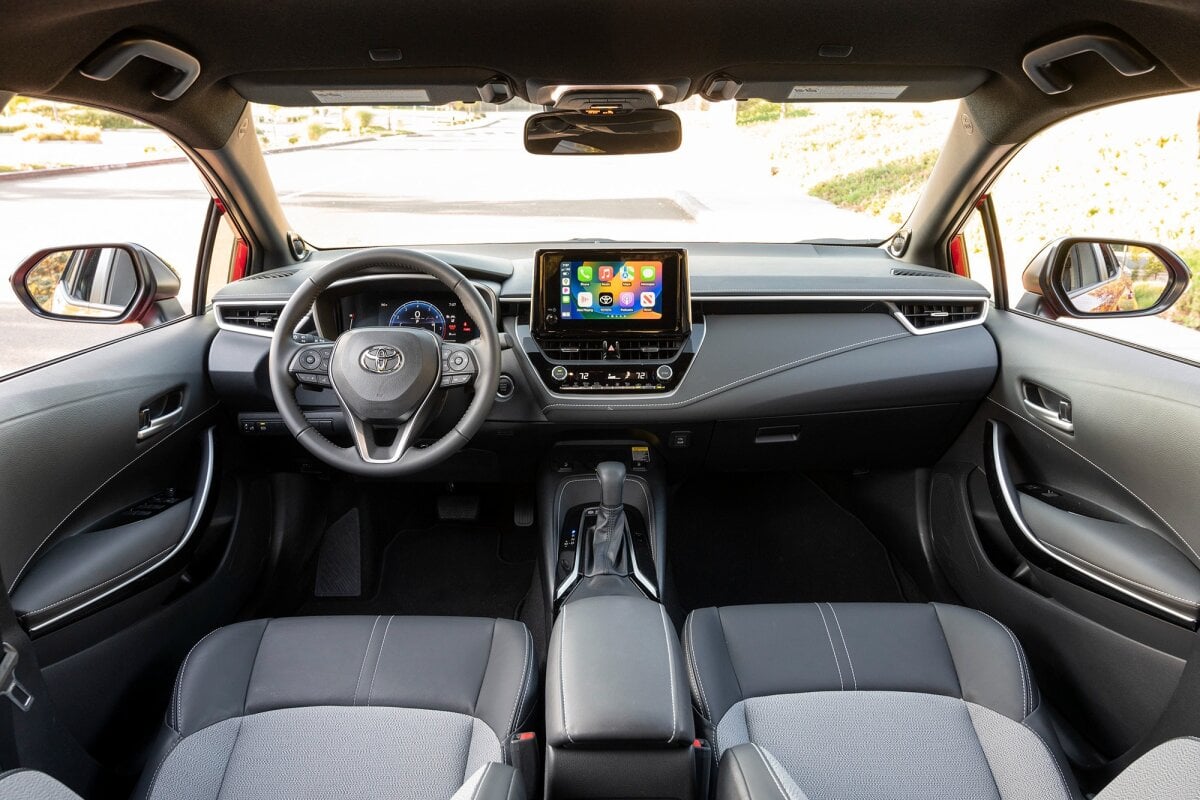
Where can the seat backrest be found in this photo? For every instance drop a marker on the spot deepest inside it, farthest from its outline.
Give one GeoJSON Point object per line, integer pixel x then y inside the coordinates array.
{"type": "Point", "coordinates": [1170, 771]}
{"type": "Point", "coordinates": [29, 784]}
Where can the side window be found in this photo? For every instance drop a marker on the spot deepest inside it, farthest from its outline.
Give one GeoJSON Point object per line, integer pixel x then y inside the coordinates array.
{"type": "Point", "coordinates": [72, 175]}
{"type": "Point", "coordinates": [976, 251]}
{"type": "Point", "coordinates": [1130, 171]}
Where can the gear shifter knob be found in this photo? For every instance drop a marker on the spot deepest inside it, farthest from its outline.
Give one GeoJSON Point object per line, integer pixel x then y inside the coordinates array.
{"type": "Point", "coordinates": [612, 483]}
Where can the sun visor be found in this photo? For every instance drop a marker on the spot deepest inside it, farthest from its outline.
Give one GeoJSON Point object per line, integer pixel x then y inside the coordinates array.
{"type": "Point", "coordinates": [375, 87]}
{"type": "Point", "coordinates": [812, 83]}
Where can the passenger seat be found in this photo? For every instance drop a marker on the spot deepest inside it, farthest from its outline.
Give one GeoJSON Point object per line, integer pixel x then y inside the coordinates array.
{"type": "Point", "coordinates": [870, 700]}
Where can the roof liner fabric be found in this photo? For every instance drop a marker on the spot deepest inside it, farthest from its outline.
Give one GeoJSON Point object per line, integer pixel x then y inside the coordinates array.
{"type": "Point", "coordinates": [607, 41]}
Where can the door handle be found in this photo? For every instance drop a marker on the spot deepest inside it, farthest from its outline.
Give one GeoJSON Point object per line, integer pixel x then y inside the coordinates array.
{"type": "Point", "coordinates": [160, 414]}
{"type": "Point", "coordinates": [1049, 406]}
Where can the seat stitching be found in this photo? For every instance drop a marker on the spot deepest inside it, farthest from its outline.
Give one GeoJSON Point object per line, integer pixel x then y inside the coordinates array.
{"type": "Point", "coordinates": [841, 633]}
{"type": "Point", "coordinates": [771, 772]}
{"type": "Point", "coordinates": [379, 658]}
{"type": "Point", "coordinates": [562, 675]}
{"type": "Point", "coordinates": [832, 649]}
{"type": "Point", "coordinates": [363, 665]}
{"type": "Point", "coordinates": [512, 717]}
{"type": "Point", "coordinates": [1021, 668]}
{"type": "Point", "coordinates": [232, 750]}
{"type": "Point", "coordinates": [1106, 472]}
{"type": "Point", "coordinates": [689, 639]}
{"type": "Point", "coordinates": [1118, 576]}
{"type": "Point", "coordinates": [740, 381]}
{"type": "Point", "coordinates": [179, 681]}
{"type": "Point", "coordinates": [158, 769]}
{"type": "Point", "coordinates": [670, 673]}
{"type": "Point", "coordinates": [1057, 767]}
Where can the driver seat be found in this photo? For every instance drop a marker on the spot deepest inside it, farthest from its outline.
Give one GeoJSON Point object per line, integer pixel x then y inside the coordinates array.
{"type": "Point", "coordinates": [349, 707]}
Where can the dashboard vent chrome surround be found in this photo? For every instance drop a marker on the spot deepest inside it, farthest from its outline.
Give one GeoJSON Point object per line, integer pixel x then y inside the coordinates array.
{"type": "Point", "coordinates": [921, 316]}
{"type": "Point", "coordinates": [615, 349]}
{"type": "Point", "coordinates": [248, 317]}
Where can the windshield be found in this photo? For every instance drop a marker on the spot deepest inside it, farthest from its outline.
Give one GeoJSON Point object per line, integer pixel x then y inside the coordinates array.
{"type": "Point", "coordinates": [747, 171]}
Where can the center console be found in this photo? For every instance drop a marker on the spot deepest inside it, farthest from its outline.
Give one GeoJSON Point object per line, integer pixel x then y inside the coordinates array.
{"type": "Point", "coordinates": [618, 711]}
{"type": "Point", "coordinates": [611, 321]}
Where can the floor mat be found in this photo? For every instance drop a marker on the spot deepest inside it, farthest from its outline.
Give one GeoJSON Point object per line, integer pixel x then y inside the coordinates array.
{"type": "Point", "coordinates": [744, 538]}
{"type": "Point", "coordinates": [445, 569]}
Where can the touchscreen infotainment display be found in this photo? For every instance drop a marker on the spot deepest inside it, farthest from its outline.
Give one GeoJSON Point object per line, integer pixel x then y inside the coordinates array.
{"type": "Point", "coordinates": [610, 290]}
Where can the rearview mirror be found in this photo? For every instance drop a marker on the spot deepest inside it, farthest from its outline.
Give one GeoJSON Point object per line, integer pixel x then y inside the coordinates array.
{"type": "Point", "coordinates": [1082, 278]}
{"type": "Point", "coordinates": [103, 283]}
{"type": "Point", "coordinates": [578, 133]}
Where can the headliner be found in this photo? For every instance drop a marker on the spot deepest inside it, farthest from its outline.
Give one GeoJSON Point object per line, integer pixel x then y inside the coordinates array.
{"type": "Point", "coordinates": [603, 41]}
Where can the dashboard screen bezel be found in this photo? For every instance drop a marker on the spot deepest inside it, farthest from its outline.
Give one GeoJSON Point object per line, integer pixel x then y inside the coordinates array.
{"type": "Point", "coordinates": [676, 305]}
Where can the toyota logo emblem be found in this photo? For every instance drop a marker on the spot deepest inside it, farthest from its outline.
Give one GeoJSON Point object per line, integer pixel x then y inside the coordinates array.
{"type": "Point", "coordinates": [381, 359]}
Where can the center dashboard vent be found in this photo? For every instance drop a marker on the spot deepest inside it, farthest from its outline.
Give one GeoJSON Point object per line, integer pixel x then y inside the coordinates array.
{"type": "Point", "coordinates": [253, 317]}
{"type": "Point", "coordinates": [614, 349]}
{"type": "Point", "coordinates": [923, 316]}
{"type": "Point", "coordinates": [262, 276]}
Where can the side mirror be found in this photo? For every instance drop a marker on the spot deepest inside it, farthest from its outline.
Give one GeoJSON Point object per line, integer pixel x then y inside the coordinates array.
{"type": "Point", "coordinates": [1085, 278]}
{"type": "Point", "coordinates": [100, 283]}
{"type": "Point", "coordinates": [581, 133]}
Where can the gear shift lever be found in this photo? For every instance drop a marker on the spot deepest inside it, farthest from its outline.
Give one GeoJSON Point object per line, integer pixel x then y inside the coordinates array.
{"type": "Point", "coordinates": [608, 540]}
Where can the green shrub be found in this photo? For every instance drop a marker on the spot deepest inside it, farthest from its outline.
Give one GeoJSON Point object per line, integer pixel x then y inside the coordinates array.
{"type": "Point", "coordinates": [98, 118]}
{"type": "Point", "coordinates": [11, 127]}
{"type": "Point", "coordinates": [870, 189]}
{"type": "Point", "coordinates": [293, 139]}
{"type": "Point", "coordinates": [61, 133]}
{"type": "Point", "coordinates": [752, 112]}
{"type": "Point", "coordinates": [315, 131]}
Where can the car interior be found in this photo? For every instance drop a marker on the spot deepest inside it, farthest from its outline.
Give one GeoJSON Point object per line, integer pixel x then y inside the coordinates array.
{"type": "Point", "coordinates": [593, 518]}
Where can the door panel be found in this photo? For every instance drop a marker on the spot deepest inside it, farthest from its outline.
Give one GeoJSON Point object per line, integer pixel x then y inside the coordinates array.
{"type": "Point", "coordinates": [90, 501]}
{"type": "Point", "coordinates": [1076, 524]}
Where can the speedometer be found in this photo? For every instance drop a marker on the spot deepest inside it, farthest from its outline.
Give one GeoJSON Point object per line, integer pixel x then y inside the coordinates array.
{"type": "Point", "coordinates": [419, 314]}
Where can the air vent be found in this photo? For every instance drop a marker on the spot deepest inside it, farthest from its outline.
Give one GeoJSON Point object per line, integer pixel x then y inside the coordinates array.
{"type": "Point", "coordinates": [919, 273]}
{"type": "Point", "coordinates": [922, 316]}
{"type": "Point", "coordinates": [663, 349]}
{"type": "Point", "coordinates": [262, 276]}
{"type": "Point", "coordinates": [250, 317]}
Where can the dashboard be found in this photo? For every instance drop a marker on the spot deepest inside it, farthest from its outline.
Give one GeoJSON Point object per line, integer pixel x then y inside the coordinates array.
{"type": "Point", "coordinates": [736, 353]}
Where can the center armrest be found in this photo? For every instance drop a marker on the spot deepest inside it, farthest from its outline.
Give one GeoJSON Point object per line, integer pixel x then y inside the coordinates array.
{"type": "Point", "coordinates": [615, 676]}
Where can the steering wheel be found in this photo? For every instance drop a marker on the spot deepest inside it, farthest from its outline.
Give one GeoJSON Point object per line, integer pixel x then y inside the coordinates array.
{"type": "Point", "coordinates": [388, 381]}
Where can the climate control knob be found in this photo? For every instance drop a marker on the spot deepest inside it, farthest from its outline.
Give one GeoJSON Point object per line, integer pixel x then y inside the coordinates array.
{"type": "Point", "coordinates": [664, 372]}
{"type": "Point", "coordinates": [559, 373]}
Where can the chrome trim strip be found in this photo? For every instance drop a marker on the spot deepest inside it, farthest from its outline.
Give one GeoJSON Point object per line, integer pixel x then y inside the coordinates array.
{"type": "Point", "coordinates": [1004, 481]}
{"type": "Point", "coordinates": [199, 505]}
{"type": "Point", "coordinates": [953, 326]}
{"type": "Point", "coordinates": [226, 326]}
{"type": "Point", "coordinates": [574, 575]}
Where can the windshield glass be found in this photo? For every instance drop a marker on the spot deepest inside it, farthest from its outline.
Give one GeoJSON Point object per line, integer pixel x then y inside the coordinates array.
{"type": "Point", "coordinates": [747, 171]}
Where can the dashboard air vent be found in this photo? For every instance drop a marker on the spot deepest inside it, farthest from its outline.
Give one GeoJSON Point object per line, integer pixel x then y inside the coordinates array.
{"type": "Point", "coordinates": [662, 349]}
{"type": "Point", "coordinates": [254, 317]}
{"type": "Point", "coordinates": [920, 273]}
{"type": "Point", "coordinates": [262, 276]}
{"type": "Point", "coordinates": [925, 316]}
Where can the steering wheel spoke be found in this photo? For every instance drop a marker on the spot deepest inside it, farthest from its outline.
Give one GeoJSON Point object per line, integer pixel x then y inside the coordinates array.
{"type": "Point", "coordinates": [309, 364]}
{"type": "Point", "coordinates": [459, 366]}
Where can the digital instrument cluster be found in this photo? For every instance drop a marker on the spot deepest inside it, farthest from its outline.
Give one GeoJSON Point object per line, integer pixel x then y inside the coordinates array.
{"type": "Point", "coordinates": [440, 312]}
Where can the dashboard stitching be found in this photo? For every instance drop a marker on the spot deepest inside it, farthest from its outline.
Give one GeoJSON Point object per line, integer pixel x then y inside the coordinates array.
{"type": "Point", "coordinates": [740, 381]}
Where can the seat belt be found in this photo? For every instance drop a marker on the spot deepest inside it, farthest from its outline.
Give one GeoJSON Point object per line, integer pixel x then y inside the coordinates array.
{"type": "Point", "coordinates": [31, 735]}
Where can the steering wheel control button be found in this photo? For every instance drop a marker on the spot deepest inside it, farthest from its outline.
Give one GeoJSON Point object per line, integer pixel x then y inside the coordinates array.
{"type": "Point", "coordinates": [664, 372]}
{"type": "Point", "coordinates": [559, 373]}
{"type": "Point", "coordinates": [458, 361]}
{"type": "Point", "coordinates": [310, 359]}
